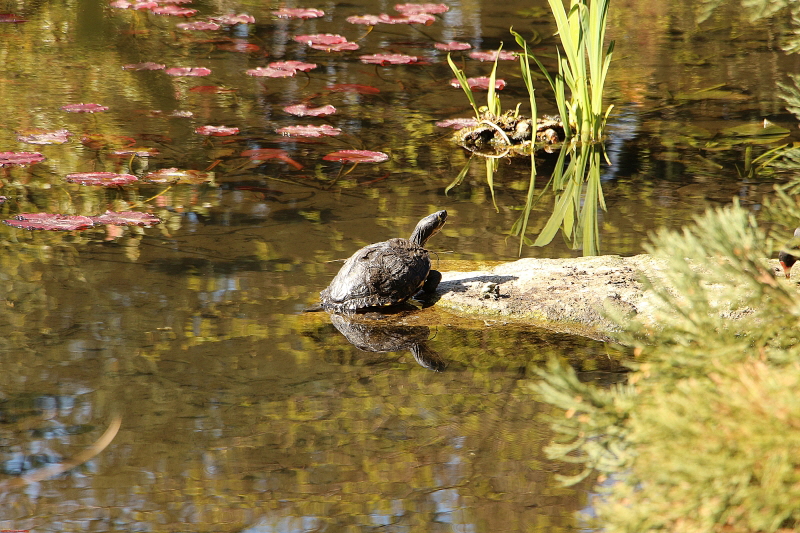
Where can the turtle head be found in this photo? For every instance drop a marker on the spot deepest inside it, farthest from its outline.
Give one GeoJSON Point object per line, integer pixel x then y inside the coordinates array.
{"type": "Point", "coordinates": [428, 227]}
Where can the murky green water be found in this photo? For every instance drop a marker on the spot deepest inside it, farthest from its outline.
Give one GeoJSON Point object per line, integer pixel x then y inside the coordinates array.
{"type": "Point", "coordinates": [238, 411]}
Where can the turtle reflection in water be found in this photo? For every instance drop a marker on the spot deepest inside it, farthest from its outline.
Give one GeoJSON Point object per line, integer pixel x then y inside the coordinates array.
{"type": "Point", "coordinates": [386, 273]}
{"type": "Point", "coordinates": [381, 338]}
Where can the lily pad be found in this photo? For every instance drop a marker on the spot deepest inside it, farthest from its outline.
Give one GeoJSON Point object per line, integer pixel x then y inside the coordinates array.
{"type": "Point", "coordinates": [217, 131]}
{"type": "Point", "coordinates": [174, 176]}
{"type": "Point", "coordinates": [8, 159]}
{"type": "Point", "coordinates": [298, 13]}
{"type": "Point", "coordinates": [188, 71]}
{"type": "Point", "coordinates": [126, 218]}
{"type": "Point", "coordinates": [50, 221]}
{"type": "Point", "coordinates": [43, 136]}
{"type": "Point", "coordinates": [309, 130]}
{"type": "Point", "coordinates": [356, 156]}
{"type": "Point", "coordinates": [302, 110]}
{"type": "Point", "coordinates": [103, 179]}
{"type": "Point", "coordinates": [84, 108]}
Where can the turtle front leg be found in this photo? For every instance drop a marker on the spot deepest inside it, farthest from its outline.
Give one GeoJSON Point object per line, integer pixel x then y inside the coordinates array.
{"type": "Point", "coordinates": [431, 282]}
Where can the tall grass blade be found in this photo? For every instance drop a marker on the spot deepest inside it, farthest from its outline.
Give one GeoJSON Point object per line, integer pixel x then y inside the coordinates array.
{"type": "Point", "coordinates": [492, 100]}
{"type": "Point", "coordinates": [462, 81]}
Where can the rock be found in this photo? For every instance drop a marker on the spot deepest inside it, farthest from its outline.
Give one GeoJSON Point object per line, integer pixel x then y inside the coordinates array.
{"type": "Point", "coordinates": [568, 295]}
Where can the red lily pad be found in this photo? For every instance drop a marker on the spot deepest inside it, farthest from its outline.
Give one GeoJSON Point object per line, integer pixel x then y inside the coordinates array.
{"type": "Point", "coordinates": [383, 18]}
{"type": "Point", "coordinates": [145, 5]}
{"type": "Point", "coordinates": [265, 154]}
{"type": "Point", "coordinates": [11, 18]}
{"type": "Point", "coordinates": [211, 89]}
{"type": "Point", "coordinates": [198, 26]}
{"type": "Point", "coordinates": [326, 41]}
{"type": "Point", "coordinates": [174, 176]}
{"type": "Point", "coordinates": [144, 66]}
{"type": "Point", "coordinates": [298, 13]}
{"type": "Point", "coordinates": [388, 59]}
{"type": "Point", "coordinates": [188, 71]}
{"type": "Point", "coordinates": [269, 72]}
{"type": "Point", "coordinates": [320, 38]}
{"type": "Point", "coordinates": [103, 179]}
{"type": "Point", "coordinates": [309, 130]}
{"type": "Point", "coordinates": [302, 110]}
{"type": "Point", "coordinates": [413, 9]}
{"type": "Point", "coordinates": [353, 88]}
{"type": "Point", "coordinates": [492, 55]}
{"type": "Point", "coordinates": [457, 123]}
{"type": "Point", "coordinates": [452, 46]}
{"type": "Point", "coordinates": [240, 46]}
{"type": "Point", "coordinates": [8, 159]}
{"type": "Point", "coordinates": [43, 136]}
{"type": "Point", "coordinates": [126, 218]}
{"type": "Point", "coordinates": [50, 221]}
{"type": "Point", "coordinates": [339, 47]}
{"type": "Point", "coordinates": [293, 65]}
{"type": "Point", "coordinates": [217, 131]}
{"type": "Point", "coordinates": [356, 156]}
{"type": "Point", "coordinates": [230, 20]}
{"type": "Point", "coordinates": [173, 10]}
{"type": "Point", "coordinates": [84, 108]}
{"type": "Point", "coordinates": [481, 82]}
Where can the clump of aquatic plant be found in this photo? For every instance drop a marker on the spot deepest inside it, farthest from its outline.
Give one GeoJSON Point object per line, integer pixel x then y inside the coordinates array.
{"type": "Point", "coordinates": [583, 68]}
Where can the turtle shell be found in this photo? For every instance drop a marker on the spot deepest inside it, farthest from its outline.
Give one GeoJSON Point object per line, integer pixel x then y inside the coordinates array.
{"type": "Point", "coordinates": [381, 274]}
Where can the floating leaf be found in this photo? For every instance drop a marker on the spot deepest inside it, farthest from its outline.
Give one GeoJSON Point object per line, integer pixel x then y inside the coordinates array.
{"type": "Point", "coordinates": [457, 123]}
{"type": "Point", "coordinates": [756, 132]}
{"type": "Point", "coordinates": [145, 5]}
{"type": "Point", "coordinates": [353, 88]}
{"type": "Point", "coordinates": [11, 18]}
{"type": "Point", "coordinates": [84, 108]}
{"type": "Point", "coordinates": [452, 46]}
{"type": "Point", "coordinates": [8, 159]}
{"type": "Point", "coordinates": [188, 71]}
{"type": "Point", "coordinates": [388, 59]}
{"type": "Point", "coordinates": [481, 82]}
{"type": "Point", "coordinates": [230, 20]}
{"type": "Point", "coordinates": [356, 156]}
{"type": "Point", "coordinates": [265, 154]}
{"type": "Point", "coordinates": [383, 18]}
{"type": "Point", "coordinates": [298, 13]}
{"type": "Point", "coordinates": [138, 152]}
{"type": "Point", "coordinates": [104, 179]}
{"type": "Point", "coordinates": [211, 89]}
{"type": "Point", "coordinates": [239, 45]}
{"type": "Point", "coordinates": [97, 141]}
{"type": "Point", "coordinates": [413, 9]}
{"type": "Point", "coordinates": [126, 218]}
{"type": "Point", "coordinates": [339, 47]}
{"type": "Point", "coordinates": [50, 221]}
{"type": "Point", "coordinates": [326, 41]}
{"type": "Point", "coordinates": [309, 130]}
{"type": "Point", "coordinates": [179, 177]}
{"type": "Point", "coordinates": [302, 110]}
{"type": "Point", "coordinates": [144, 66]}
{"type": "Point", "coordinates": [268, 72]}
{"type": "Point", "coordinates": [173, 10]}
{"type": "Point", "coordinates": [217, 131]}
{"type": "Point", "coordinates": [198, 26]}
{"type": "Point", "coordinates": [293, 65]}
{"type": "Point", "coordinates": [43, 136]}
{"type": "Point", "coordinates": [493, 55]}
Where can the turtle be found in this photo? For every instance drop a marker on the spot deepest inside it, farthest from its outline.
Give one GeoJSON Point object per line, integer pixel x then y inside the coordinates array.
{"type": "Point", "coordinates": [386, 273]}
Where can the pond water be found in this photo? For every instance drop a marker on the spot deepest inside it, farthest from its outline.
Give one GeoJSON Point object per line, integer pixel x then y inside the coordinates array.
{"type": "Point", "coordinates": [241, 413]}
